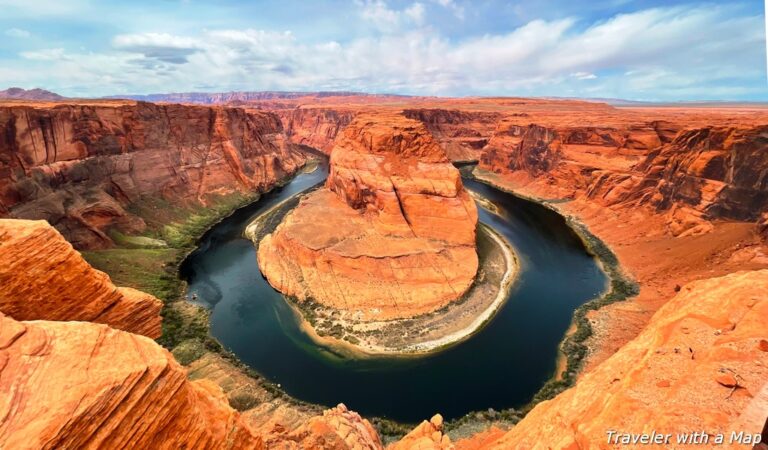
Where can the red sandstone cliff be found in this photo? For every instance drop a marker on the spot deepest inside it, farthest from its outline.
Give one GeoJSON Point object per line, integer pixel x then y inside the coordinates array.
{"type": "Point", "coordinates": [462, 134]}
{"type": "Point", "coordinates": [43, 277]}
{"type": "Point", "coordinates": [701, 174]}
{"type": "Point", "coordinates": [83, 385]}
{"type": "Point", "coordinates": [391, 236]}
{"type": "Point", "coordinates": [314, 127]}
{"type": "Point", "coordinates": [80, 166]}
{"type": "Point", "coordinates": [720, 172]}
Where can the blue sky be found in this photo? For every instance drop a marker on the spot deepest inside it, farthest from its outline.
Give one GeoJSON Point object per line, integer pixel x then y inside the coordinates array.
{"type": "Point", "coordinates": [645, 50]}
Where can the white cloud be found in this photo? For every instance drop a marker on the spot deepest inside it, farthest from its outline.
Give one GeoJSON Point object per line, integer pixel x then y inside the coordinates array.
{"type": "Point", "coordinates": [457, 9]}
{"type": "Point", "coordinates": [386, 19]}
{"type": "Point", "coordinates": [584, 75]}
{"type": "Point", "coordinates": [47, 54]}
{"type": "Point", "coordinates": [665, 53]}
{"type": "Point", "coordinates": [415, 12]}
{"type": "Point", "coordinates": [17, 33]}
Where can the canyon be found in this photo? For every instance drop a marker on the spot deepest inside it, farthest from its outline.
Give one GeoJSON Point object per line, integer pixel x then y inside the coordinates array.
{"type": "Point", "coordinates": [679, 193]}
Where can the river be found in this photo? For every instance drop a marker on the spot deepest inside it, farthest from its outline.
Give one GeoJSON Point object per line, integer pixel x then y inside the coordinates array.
{"type": "Point", "coordinates": [501, 366]}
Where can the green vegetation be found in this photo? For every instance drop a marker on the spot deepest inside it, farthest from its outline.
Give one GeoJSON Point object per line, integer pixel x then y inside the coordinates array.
{"type": "Point", "coordinates": [389, 430]}
{"type": "Point", "coordinates": [189, 351]}
{"type": "Point", "coordinates": [243, 401]}
{"type": "Point", "coordinates": [149, 270]}
{"type": "Point", "coordinates": [175, 229]}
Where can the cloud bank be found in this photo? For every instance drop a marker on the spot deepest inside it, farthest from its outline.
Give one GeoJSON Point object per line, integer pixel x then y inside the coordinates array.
{"type": "Point", "coordinates": [666, 53]}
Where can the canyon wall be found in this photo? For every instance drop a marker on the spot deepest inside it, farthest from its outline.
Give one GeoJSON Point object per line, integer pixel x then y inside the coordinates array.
{"type": "Point", "coordinates": [391, 235]}
{"type": "Point", "coordinates": [715, 172]}
{"type": "Point", "coordinates": [314, 127]}
{"type": "Point", "coordinates": [693, 175]}
{"type": "Point", "coordinates": [82, 166]}
{"type": "Point", "coordinates": [43, 277]}
{"type": "Point", "coordinates": [462, 134]}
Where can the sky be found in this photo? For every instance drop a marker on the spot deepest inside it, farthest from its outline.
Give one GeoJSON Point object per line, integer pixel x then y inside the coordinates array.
{"type": "Point", "coordinates": [650, 50]}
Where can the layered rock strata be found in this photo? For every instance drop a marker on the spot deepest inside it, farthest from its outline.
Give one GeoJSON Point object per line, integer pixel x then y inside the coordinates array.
{"type": "Point", "coordinates": [391, 235]}
{"type": "Point", "coordinates": [694, 177]}
{"type": "Point", "coordinates": [43, 277]}
{"type": "Point", "coordinates": [462, 134]}
{"type": "Point", "coordinates": [336, 429]}
{"type": "Point", "coordinates": [83, 385]}
{"type": "Point", "coordinates": [82, 166]}
{"type": "Point", "coordinates": [315, 127]}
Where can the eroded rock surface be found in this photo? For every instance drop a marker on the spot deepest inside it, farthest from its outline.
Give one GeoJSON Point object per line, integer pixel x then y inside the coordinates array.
{"type": "Point", "coordinates": [336, 429]}
{"type": "Point", "coordinates": [391, 235]}
{"type": "Point", "coordinates": [81, 166]}
{"type": "Point", "coordinates": [315, 127]}
{"type": "Point", "coordinates": [43, 278]}
{"type": "Point", "coordinates": [669, 378]}
{"type": "Point", "coordinates": [428, 435]}
{"type": "Point", "coordinates": [462, 134]}
{"type": "Point", "coordinates": [83, 385]}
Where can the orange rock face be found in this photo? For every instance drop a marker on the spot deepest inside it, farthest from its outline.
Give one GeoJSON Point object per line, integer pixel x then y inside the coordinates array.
{"type": "Point", "coordinates": [703, 174]}
{"type": "Point", "coordinates": [462, 134]}
{"type": "Point", "coordinates": [762, 226]}
{"type": "Point", "coordinates": [697, 366]}
{"type": "Point", "coordinates": [43, 277]}
{"type": "Point", "coordinates": [426, 436]}
{"type": "Point", "coordinates": [81, 165]}
{"type": "Point", "coordinates": [393, 233]}
{"type": "Point", "coordinates": [81, 385]}
{"type": "Point", "coordinates": [315, 127]}
{"type": "Point", "coordinates": [533, 149]}
{"type": "Point", "coordinates": [336, 429]}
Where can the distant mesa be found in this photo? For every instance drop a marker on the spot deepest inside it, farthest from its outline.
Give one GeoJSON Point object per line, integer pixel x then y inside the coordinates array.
{"type": "Point", "coordinates": [214, 98]}
{"type": "Point", "coordinates": [18, 93]}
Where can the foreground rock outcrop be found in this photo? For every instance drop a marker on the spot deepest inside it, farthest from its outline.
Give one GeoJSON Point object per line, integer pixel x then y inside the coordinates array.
{"type": "Point", "coordinates": [85, 166]}
{"type": "Point", "coordinates": [697, 366]}
{"type": "Point", "coordinates": [336, 429]}
{"type": "Point", "coordinates": [82, 385]}
{"type": "Point", "coordinates": [428, 435]}
{"type": "Point", "coordinates": [43, 277]}
{"type": "Point", "coordinates": [392, 234]}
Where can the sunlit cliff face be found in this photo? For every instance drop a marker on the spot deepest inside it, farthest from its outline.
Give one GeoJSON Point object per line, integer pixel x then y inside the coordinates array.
{"type": "Point", "coordinates": [394, 228]}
